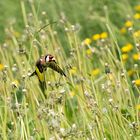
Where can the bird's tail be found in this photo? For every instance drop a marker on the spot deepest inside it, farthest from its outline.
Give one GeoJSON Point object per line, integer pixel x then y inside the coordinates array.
{"type": "Point", "coordinates": [42, 83]}
{"type": "Point", "coordinates": [43, 87]}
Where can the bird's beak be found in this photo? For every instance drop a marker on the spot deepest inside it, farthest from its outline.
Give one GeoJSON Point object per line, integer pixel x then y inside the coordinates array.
{"type": "Point", "coordinates": [53, 59]}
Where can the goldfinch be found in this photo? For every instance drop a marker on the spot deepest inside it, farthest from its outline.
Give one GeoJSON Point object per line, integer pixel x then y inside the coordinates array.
{"type": "Point", "coordinates": [47, 61]}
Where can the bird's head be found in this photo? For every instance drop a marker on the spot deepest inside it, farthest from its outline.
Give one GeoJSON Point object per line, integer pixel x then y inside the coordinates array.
{"type": "Point", "coordinates": [49, 58]}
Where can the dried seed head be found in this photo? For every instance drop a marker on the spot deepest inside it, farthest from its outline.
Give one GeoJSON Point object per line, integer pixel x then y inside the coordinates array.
{"type": "Point", "coordinates": [122, 74]}
{"type": "Point", "coordinates": [133, 82]}
{"type": "Point", "coordinates": [104, 110]}
{"type": "Point", "coordinates": [62, 131]}
{"type": "Point", "coordinates": [24, 90]}
{"type": "Point", "coordinates": [55, 32]}
{"type": "Point", "coordinates": [62, 91]}
{"type": "Point", "coordinates": [127, 91]}
{"type": "Point", "coordinates": [5, 66]}
{"type": "Point", "coordinates": [103, 86]}
{"type": "Point", "coordinates": [5, 45]}
{"type": "Point", "coordinates": [86, 93]}
{"type": "Point", "coordinates": [110, 100]}
{"type": "Point", "coordinates": [74, 127]}
{"type": "Point", "coordinates": [66, 29]}
{"type": "Point", "coordinates": [43, 13]}
{"type": "Point", "coordinates": [135, 65]}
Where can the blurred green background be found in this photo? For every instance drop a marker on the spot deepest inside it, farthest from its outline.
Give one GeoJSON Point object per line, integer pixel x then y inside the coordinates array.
{"type": "Point", "coordinates": [90, 14]}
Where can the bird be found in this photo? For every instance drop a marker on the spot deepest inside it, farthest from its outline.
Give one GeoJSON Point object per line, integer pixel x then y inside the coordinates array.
{"type": "Point", "coordinates": [46, 61]}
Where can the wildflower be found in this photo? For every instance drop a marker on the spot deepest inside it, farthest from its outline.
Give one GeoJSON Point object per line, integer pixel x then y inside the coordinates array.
{"type": "Point", "coordinates": [16, 34]}
{"type": "Point", "coordinates": [111, 77]}
{"type": "Point", "coordinates": [127, 48]}
{"type": "Point", "coordinates": [72, 94]}
{"type": "Point", "coordinates": [96, 37]}
{"type": "Point", "coordinates": [136, 34]}
{"type": "Point", "coordinates": [88, 51]}
{"type": "Point", "coordinates": [137, 8]}
{"type": "Point", "coordinates": [124, 57]}
{"type": "Point", "coordinates": [138, 107]}
{"type": "Point", "coordinates": [137, 16]}
{"type": "Point", "coordinates": [1, 67]}
{"type": "Point", "coordinates": [130, 72]}
{"type": "Point", "coordinates": [136, 82]}
{"type": "Point", "coordinates": [73, 71]}
{"type": "Point", "coordinates": [87, 41]}
{"type": "Point", "coordinates": [15, 83]}
{"type": "Point", "coordinates": [95, 72]}
{"type": "Point", "coordinates": [104, 35]}
{"type": "Point", "coordinates": [128, 24]}
{"type": "Point", "coordinates": [136, 56]}
{"type": "Point", "coordinates": [123, 30]}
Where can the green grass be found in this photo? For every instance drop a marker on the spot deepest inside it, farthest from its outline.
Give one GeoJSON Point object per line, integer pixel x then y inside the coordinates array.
{"type": "Point", "coordinates": [98, 100]}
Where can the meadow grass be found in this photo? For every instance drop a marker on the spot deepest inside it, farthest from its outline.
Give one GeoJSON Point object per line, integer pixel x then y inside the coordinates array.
{"type": "Point", "coordinates": [99, 99]}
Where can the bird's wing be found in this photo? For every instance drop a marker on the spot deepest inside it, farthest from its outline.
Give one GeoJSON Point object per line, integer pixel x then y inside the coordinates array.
{"type": "Point", "coordinates": [53, 65]}
{"type": "Point", "coordinates": [32, 74]}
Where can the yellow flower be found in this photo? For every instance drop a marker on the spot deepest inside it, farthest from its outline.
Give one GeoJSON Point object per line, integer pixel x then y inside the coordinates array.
{"type": "Point", "coordinates": [96, 37]}
{"type": "Point", "coordinates": [127, 48]}
{"type": "Point", "coordinates": [137, 8]}
{"type": "Point", "coordinates": [130, 72]}
{"type": "Point", "coordinates": [15, 83]}
{"type": "Point", "coordinates": [136, 56]}
{"type": "Point", "coordinates": [138, 107]}
{"type": "Point", "coordinates": [123, 30]}
{"type": "Point", "coordinates": [73, 71]}
{"type": "Point", "coordinates": [137, 82]}
{"type": "Point", "coordinates": [128, 24]}
{"type": "Point", "coordinates": [124, 57]}
{"type": "Point", "coordinates": [137, 16]}
{"type": "Point", "coordinates": [1, 67]}
{"type": "Point", "coordinates": [72, 93]}
{"type": "Point", "coordinates": [95, 72]}
{"type": "Point", "coordinates": [111, 77]}
{"type": "Point", "coordinates": [88, 52]}
{"type": "Point", "coordinates": [137, 34]}
{"type": "Point", "coordinates": [104, 35]}
{"type": "Point", "coordinates": [16, 34]}
{"type": "Point", "coordinates": [87, 41]}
